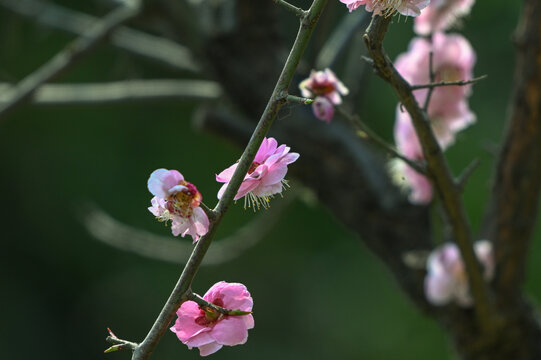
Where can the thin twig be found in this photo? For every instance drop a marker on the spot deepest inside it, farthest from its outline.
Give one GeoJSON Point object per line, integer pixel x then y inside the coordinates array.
{"type": "Point", "coordinates": [448, 83]}
{"type": "Point", "coordinates": [438, 170]}
{"type": "Point", "coordinates": [118, 344]}
{"type": "Point", "coordinates": [431, 76]}
{"type": "Point", "coordinates": [299, 100]}
{"type": "Point", "coordinates": [155, 48]}
{"type": "Point", "coordinates": [182, 288]}
{"type": "Point", "coordinates": [67, 57]}
{"type": "Point", "coordinates": [120, 92]}
{"type": "Point", "coordinates": [297, 11]}
{"type": "Point", "coordinates": [205, 304]}
{"type": "Point", "coordinates": [366, 132]}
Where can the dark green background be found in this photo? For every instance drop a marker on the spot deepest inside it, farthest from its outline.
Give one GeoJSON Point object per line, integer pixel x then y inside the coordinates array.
{"type": "Point", "coordinates": [318, 293]}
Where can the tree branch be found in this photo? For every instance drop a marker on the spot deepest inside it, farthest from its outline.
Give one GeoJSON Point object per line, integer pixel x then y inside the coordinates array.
{"type": "Point", "coordinates": [67, 57]}
{"type": "Point", "coordinates": [119, 92]}
{"type": "Point", "coordinates": [513, 209]}
{"type": "Point", "coordinates": [438, 170]}
{"type": "Point", "coordinates": [182, 288]}
{"type": "Point", "coordinates": [155, 48]}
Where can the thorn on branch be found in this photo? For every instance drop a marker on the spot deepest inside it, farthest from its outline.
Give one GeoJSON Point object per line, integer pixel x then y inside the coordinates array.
{"type": "Point", "coordinates": [119, 344]}
{"type": "Point", "coordinates": [299, 100]}
{"type": "Point", "coordinates": [297, 11]}
{"type": "Point", "coordinates": [432, 85]}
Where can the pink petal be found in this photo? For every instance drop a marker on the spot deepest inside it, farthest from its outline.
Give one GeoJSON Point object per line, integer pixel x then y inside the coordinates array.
{"type": "Point", "coordinates": [230, 331]}
{"type": "Point", "coordinates": [227, 174]}
{"type": "Point", "coordinates": [161, 180]}
{"type": "Point", "coordinates": [275, 175]}
{"type": "Point", "coordinates": [210, 348]}
{"type": "Point", "coordinates": [185, 326]}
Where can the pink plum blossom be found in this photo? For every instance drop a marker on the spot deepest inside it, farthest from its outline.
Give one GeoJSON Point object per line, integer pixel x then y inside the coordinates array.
{"type": "Point", "coordinates": [447, 281]}
{"type": "Point", "coordinates": [178, 201]}
{"type": "Point", "coordinates": [208, 330]}
{"type": "Point", "coordinates": [388, 7]}
{"type": "Point", "coordinates": [326, 89]}
{"type": "Point", "coordinates": [440, 15]}
{"type": "Point", "coordinates": [453, 60]}
{"type": "Point", "coordinates": [265, 177]}
{"type": "Point", "coordinates": [448, 110]}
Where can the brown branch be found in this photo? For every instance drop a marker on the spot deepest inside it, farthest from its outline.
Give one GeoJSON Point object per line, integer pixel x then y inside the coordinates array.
{"type": "Point", "coordinates": [438, 170]}
{"type": "Point", "coordinates": [155, 48]}
{"type": "Point", "coordinates": [513, 210]}
{"type": "Point", "coordinates": [71, 53]}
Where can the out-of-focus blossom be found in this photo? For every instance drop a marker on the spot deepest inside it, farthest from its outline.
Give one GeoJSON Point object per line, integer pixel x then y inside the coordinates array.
{"type": "Point", "coordinates": [208, 329]}
{"type": "Point", "coordinates": [326, 89]}
{"type": "Point", "coordinates": [178, 201]}
{"type": "Point", "coordinates": [440, 15]}
{"type": "Point", "coordinates": [265, 177]}
{"type": "Point", "coordinates": [447, 281]}
{"type": "Point", "coordinates": [388, 7]}
{"type": "Point", "coordinates": [453, 60]}
{"type": "Point", "coordinates": [448, 110]}
{"type": "Point", "coordinates": [323, 109]}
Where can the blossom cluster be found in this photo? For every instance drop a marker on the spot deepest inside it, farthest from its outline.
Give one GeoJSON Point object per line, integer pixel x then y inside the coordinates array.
{"type": "Point", "coordinates": [179, 202]}
{"type": "Point", "coordinates": [449, 58]}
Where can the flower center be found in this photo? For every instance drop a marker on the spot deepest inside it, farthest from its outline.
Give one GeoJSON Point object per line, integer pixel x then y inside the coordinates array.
{"type": "Point", "coordinates": [322, 89]}
{"type": "Point", "coordinates": [448, 73]}
{"type": "Point", "coordinates": [183, 202]}
{"type": "Point", "coordinates": [254, 166]}
{"type": "Point", "coordinates": [210, 316]}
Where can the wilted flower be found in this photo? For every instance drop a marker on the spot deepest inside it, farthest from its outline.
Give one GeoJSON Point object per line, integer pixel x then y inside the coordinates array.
{"type": "Point", "coordinates": [265, 177]}
{"type": "Point", "coordinates": [440, 15]}
{"type": "Point", "coordinates": [389, 7]}
{"type": "Point", "coordinates": [325, 87]}
{"type": "Point", "coordinates": [178, 201]}
{"type": "Point", "coordinates": [208, 329]}
{"type": "Point", "coordinates": [447, 281]}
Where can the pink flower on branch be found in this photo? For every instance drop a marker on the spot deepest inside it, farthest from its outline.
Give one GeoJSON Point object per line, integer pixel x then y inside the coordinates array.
{"type": "Point", "coordinates": [440, 15]}
{"type": "Point", "coordinates": [388, 7]}
{"type": "Point", "coordinates": [265, 177]}
{"type": "Point", "coordinates": [325, 88]}
{"type": "Point", "coordinates": [178, 201]}
{"type": "Point", "coordinates": [453, 60]}
{"type": "Point", "coordinates": [208, 329]}
{"type": "Point", "coordinates": [447, 281]}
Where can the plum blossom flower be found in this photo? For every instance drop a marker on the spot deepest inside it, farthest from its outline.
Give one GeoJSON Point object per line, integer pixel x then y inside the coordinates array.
{"type": "Point", "coordinates": [178, 201]}
{"type": "Point", "coordinates": [265, 177]}
{"type": "Point", "coordinates": [325, 87]}
{"type": "Point", "coordinates": [209, 330]}
{"type": "Point", "coordinates": [453, 60]}
{"type": "Point", "coordinates": [447, 281]}
{"type": "Point", "coordinates": [440, 15]}
{"type": "Point", "coordinates": [388, 7]}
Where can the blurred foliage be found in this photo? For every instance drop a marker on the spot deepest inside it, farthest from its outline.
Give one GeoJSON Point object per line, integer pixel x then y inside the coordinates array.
{"type": "Point", "coordinates": [318, 293]}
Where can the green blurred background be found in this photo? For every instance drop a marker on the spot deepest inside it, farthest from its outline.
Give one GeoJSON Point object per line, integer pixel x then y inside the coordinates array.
{"type": "Point", "coordinates": [318, 292]}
